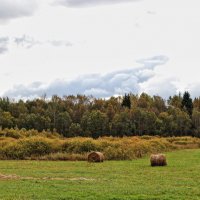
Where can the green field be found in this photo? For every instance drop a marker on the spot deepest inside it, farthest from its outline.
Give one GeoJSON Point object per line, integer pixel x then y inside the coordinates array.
{"type": "Point", "coordinates": [113, 180]}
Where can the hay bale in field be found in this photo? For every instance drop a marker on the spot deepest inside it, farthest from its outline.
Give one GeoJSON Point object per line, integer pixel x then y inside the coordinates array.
{"type": "Point", "coordinates": [95, 157]}
{"type": "Point", "coordinates": [158, 160]}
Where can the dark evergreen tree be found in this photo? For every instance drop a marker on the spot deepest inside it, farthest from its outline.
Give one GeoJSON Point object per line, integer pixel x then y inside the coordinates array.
{"type": "Point", "coordinates": [187, 103]}
{"type": "Point", "coordinates": [126, 101]}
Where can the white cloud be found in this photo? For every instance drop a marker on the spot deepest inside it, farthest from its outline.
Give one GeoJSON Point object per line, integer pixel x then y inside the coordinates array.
{"type": "Point", "coordinates": [162, 86]}
{"type": "Point", "coordinates": [115, 83]}
{"type": "Point", "coordinates": [194, 89]}
{"type": "Point", "coordinates": [59, 43]}
{"type": "Point", "coordinates": [100, 40]}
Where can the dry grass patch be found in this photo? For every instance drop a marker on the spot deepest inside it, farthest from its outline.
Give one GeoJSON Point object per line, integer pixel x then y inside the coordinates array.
{"type": "Point", "coordinates": [43, 146]}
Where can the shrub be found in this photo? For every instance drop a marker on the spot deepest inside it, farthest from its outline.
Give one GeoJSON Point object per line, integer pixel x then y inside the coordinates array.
{"type": "Point", "coordinates": [22, 144]}
{"type": "Point", "coordinates": [10, 133]}
{"type": "Point", "coordinates": [36, 146]}
{"type": "Point", "coordinates": [12, 151]}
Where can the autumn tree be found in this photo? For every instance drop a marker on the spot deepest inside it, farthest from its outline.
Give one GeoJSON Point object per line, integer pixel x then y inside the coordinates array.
{"type": "Point", "coordinates": [175, 101]}
{"type": "Point", "coordinates": [145, 101]}
{"type": "Point", "coordinates": [95, 124]}
{"type": "Point", "coordinates": [158, 105]}
{"type": "Point", "coordinates": [63, 122]}
{"type": "Point", "coordinates": [196, 119]}
{"type": "Point", "coordinates": [145, 121]}
{"type": "Point", "coordinates": [6, 120]}
{"type": "Point", "coordinates": [122, 125]}
{"type": "Point", "coordinates": [168, 125]}
{"type": "Point", "coordinates": [75, 130]}
{"type": "Point", "coordinates": [196, 103]}
{"type": "Point", "coordinates": [82, 115]}
{"type": "Point", "coordinates": [182, 120]}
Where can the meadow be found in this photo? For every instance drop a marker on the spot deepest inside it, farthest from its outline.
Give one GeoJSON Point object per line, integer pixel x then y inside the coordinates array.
{"type": "Point", "coordinates": [110, 180]}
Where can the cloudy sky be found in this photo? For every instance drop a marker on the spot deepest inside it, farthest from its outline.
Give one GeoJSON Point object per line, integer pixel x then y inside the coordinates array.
{"type": "Point", "coordinates": [99, 47]}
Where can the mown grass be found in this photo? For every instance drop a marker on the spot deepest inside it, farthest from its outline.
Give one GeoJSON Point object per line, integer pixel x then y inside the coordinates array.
{"type": "Point", "coordinates": [111, 180]}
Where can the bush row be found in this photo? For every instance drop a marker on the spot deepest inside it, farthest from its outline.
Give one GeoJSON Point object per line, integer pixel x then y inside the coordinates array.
{"type": "Point", "coordinates": [44, 147]}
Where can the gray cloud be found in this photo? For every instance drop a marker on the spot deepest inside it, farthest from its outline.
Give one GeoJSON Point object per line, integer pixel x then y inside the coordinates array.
{"type": "Point", "coordinates": [115, 83]}
{"type": "Point", "coordinates": [10, 9]}
{"type": "Point", "coordinates": [26, 41]}
{"type": "Point", "coordinates": [154, 61]}
{"type": "Point", "coordinates": [29, 42]}
{"type": "Point", "coordinates": [86, 3]}
{"type": "Point", "coordinates": [4, 44]}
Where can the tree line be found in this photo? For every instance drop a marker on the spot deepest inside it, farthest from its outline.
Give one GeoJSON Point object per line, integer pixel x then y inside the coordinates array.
{"type": "Point", "coordinates": [87, 116]}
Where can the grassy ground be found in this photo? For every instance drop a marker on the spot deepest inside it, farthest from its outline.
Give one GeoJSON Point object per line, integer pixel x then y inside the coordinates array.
{"type": "Point", "coordinates": [111, 180]}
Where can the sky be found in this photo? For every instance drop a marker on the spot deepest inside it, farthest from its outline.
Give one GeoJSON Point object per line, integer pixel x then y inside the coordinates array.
{"type": "Point", "coordinates": [99, 47]}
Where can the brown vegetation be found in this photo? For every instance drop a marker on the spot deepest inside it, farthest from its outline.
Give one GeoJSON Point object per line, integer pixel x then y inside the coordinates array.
{"type": "Point", "coordinates": [33, 145]}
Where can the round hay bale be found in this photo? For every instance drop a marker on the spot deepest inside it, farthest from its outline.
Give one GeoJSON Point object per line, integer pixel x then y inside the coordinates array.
{"type": "Point", "coordinates": [95, 157]}
{"type": "Point", "coordinates": [158, 160]}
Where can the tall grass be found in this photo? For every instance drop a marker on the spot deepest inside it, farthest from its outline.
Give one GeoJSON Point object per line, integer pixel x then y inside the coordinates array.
{"type": "Point", "coordinates": [22, 144]}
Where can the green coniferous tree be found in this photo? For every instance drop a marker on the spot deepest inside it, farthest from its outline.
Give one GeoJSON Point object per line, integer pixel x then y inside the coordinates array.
{"type": "Point", "coordinates": [126, 101]}
{"type": "Point", "coordinates": [187, 103]}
